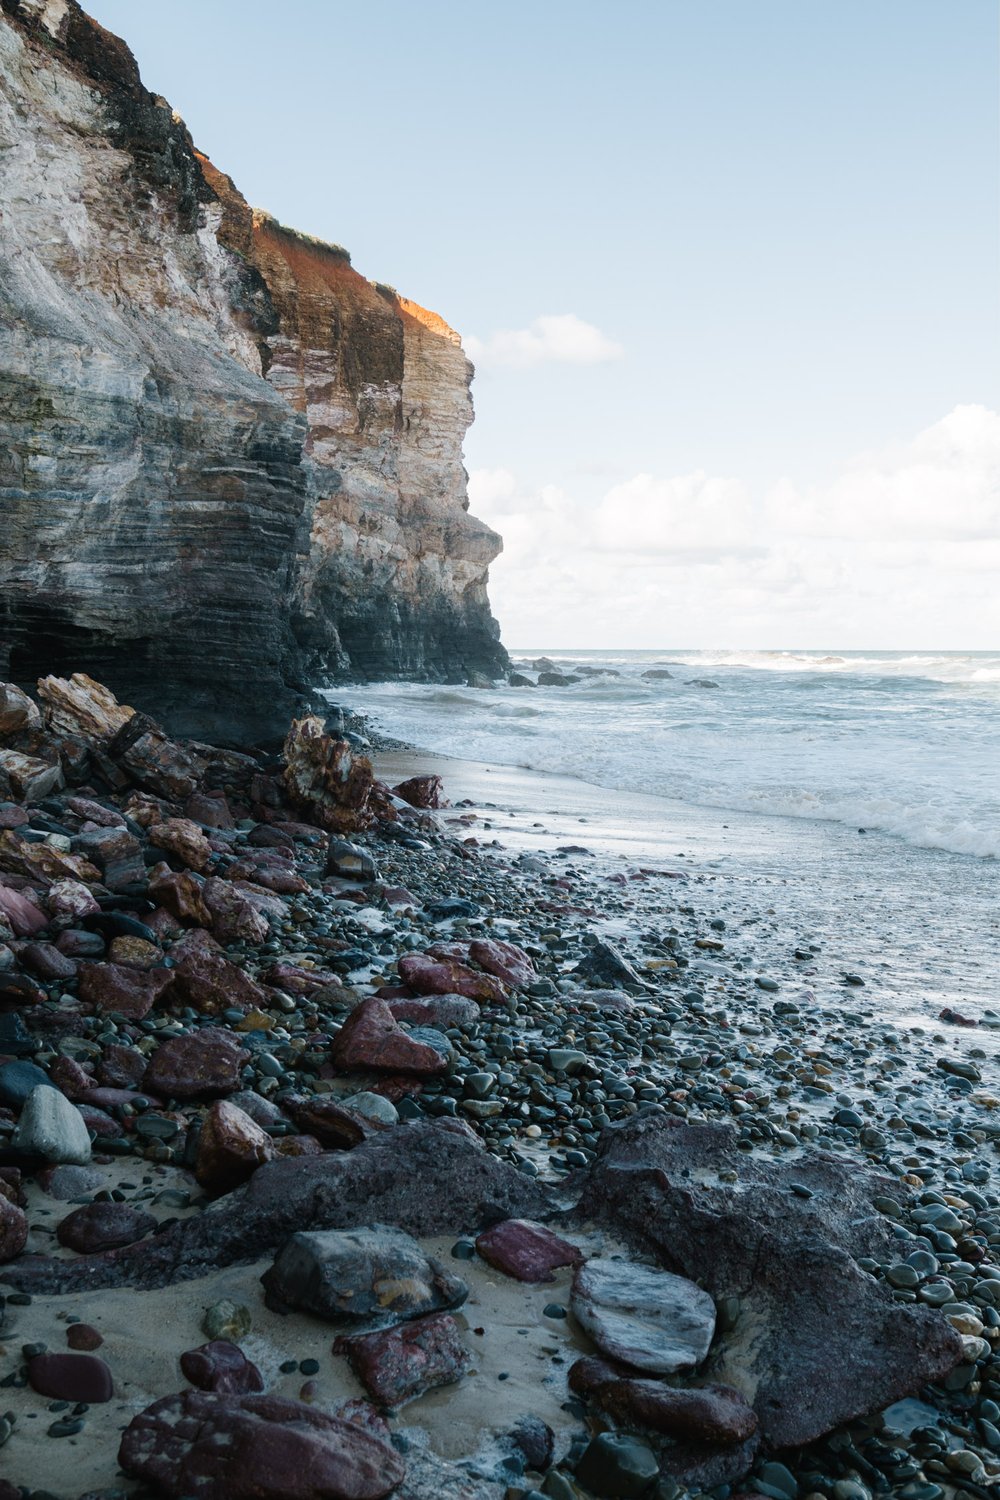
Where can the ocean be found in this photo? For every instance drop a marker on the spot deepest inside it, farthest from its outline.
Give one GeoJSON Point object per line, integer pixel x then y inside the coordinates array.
{"type": "Point", "coordinates": [850, 799]}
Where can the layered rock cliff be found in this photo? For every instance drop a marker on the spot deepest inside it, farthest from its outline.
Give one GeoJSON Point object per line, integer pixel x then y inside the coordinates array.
{"type": "Point", "coordinates": [230, 467]}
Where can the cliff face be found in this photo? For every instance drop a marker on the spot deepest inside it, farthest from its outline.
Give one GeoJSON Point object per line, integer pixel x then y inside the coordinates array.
{"type": "Point", "coordinates": [229, 465]}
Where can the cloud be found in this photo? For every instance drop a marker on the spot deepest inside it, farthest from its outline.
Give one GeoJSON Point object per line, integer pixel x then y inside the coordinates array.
{"type": "Point", "coordinates": [900, 549]}
{"type": "Point", "coordinates": [554, 338]}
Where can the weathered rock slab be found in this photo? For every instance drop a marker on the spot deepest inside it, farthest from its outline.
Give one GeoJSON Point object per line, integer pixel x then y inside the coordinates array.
{"type": "Point", "coordinates": [642, 1315]}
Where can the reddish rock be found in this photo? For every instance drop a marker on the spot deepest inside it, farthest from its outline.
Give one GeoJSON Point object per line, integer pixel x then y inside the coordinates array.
{"type": "Point", "coordinates": [46, 961]}
{"type": "Point", "coordinates": [296, 981]}
{"type": "Point", "coordinates": [298, 1145]}
{"type": "Point", "coordinates": [96, 1120]}
{"type": "Point", "coordinates": [184, 840]}
{"type": "Point", "coordinates": [398, 898]}
{"type": "Point", "coordinates": [43, 862]}
{"type": "Point", "coordinates": [202, 1064]}
{"type": "Point", "coordinates": [205, 978]}
{"type": "Point", "coordinates": [103, 1226]}
{"type": "Point", "coordinates": [505, 960]}
{"type": "Point", "coordinates": [230, 1148]}
{"type": "Point", "coordinates": [156, 762]}
{"type": "Point", "coordinates": [121, 1067]}
{"type": "Point", "coordinates": [95, 812]}
{"type": "Point", "coordinates": [279, 877]}
{"type": "Point", "coordinates": [234, 919]}
{"type": "Point", "coordinates": [526, 1251]}
{"type": "Point", "coordinates": [74, 943]}
{"type": "Point", "coordinates": [12, 1186]}
{"type": "Point", "coordinates": [70, 898]}
{"type": "Point", "coordinates": [333, 1124]}
{"type": "Point", "coordinates": [219, 1447]}
{"type": "Point", "coordinates": [29, 777]}
{"type": "Point", "coordinates": [444, 976]}
{"type": "Point", "coordinates": [422, 791]}
{"type": "Point", "coordinates": [71, 1377]}
{"type": "Point", "coordinates": [13, 1229]}
{"type": "Point", "coordinates": [221, 1366]}
{"type": "Point", "coordinates": [23, 915]}
{"type": "Point", "coordinates": [70, 1077]}
{"type": "Point", "coordinates": [371, 1038]}
{"type": "Point", "coordinates": [715, 1414]}
{"type": "Point", "coordinates": [180, 893]}
{"type": "Point", "coordinates": [128, 992]}
{"type": "Point", "coordinates": [83, 1337]}
{"type": "Point", "coordinates": [401, 1363]}
{"type": "Point", "coordinates": [17, 991]}
{"type": "Point", "coordinates": [210, 809]}
{"type": "Point", "coordinates": [325, 780]}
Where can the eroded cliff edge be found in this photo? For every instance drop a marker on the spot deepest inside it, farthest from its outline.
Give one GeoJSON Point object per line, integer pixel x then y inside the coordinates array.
{"type": "Point", "coordinates": [230, 466]}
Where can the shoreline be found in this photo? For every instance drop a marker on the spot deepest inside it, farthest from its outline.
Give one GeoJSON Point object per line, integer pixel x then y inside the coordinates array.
{"type": "Point", "coordinates": [611, 990]}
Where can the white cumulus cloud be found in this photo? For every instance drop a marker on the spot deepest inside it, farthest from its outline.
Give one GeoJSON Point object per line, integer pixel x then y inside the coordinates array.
{"type": "Point", "coordinates": [553, 338]}
{"type": "Point", "coordinates": [900, 549]}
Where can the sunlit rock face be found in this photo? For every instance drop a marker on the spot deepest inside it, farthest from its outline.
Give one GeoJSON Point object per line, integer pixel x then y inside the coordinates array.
{"type": "Point", "coordinates": [229, 465]}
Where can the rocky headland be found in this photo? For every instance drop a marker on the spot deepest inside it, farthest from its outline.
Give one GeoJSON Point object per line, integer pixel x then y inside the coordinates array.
{"type": "Point", "coordinates": [231, 467]}
{"type": "Point", "coordinates": [342, 1154]}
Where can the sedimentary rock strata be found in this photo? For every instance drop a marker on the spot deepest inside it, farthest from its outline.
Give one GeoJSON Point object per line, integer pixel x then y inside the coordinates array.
{"type": "Point", "coordinates": [230, 466]}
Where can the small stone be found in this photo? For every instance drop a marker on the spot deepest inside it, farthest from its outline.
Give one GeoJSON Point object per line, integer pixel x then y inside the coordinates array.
{"type": "Point", "coordinates": [526, 1251]}
{"type": "Point", "coordinates": [71, 1377]}
{"type": "Point", "coordinates": [226, 1320]}
{"type": "Point", "coordinates": [221, 1366]}
{"type": "Point", "coordinates": [81, 1336]}
{"type": "Point", "coordinates": [398, 1364]}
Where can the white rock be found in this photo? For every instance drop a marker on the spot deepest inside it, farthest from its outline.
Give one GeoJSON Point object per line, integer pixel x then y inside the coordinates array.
{"type": "Point", "coordinates": [53, 1128]}
{"type": "Point", "coordinates": [646, 1317]}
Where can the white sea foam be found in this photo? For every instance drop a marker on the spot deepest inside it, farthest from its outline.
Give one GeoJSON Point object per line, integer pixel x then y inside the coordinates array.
{"type": "Point", "coordinates": [904, 743]}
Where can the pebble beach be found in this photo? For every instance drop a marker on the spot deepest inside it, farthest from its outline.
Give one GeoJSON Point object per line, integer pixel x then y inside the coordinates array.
{"type": "Point", "coordinates": [593, 988]}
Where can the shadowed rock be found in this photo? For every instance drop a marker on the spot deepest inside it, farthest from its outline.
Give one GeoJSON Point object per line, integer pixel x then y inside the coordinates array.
{"type": "Point", "coordinates": [425, 1178]}
{"type": "Point", "coordinates": [817, 1341]}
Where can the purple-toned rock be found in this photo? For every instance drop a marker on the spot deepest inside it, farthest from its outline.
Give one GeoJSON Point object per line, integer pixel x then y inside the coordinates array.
{"type": "Point", "coordinates": [180, 893]}
{"type": "Point", "coordinates": [234, 918]}
{"type": "Point", "coordinates": [701, 1414]}
{"type": "Point", "coordinates": [504, 960]}
{"type": "Point", "coordinates": [121, 990]}
{"type": "Point", "coordinates": [84, 1337]}
{"type": "Point", "coordinates": [223, 1367]}
{"type": "Point", "coordinates": [13, 1229]}
{"type": "Point", "coordinates": [297, 981]}
{"type": "Point", "coordinates": [526, 1251]}
{"type": "Point", "coordinates": [75, 943]}
{"type": "Point", "coordinates": [121, 1067]}
{"type": "Point", "coordinates": [70, 899]}
{"type": "Point", "coordinates": [425, 792]}
{"type": "Point", "coordinates": [372, 1038]}
{"type": "Point", "coordinates": [398, 1364]}
{"type": "Point", "coordinates": [336, 1126]}
{"type": "Point", "coordinates": [23, 915]}
{"type": "Point", "coordinates": [643, 1316]}
{"type": "Point", "coordinates": [437, 1010]}
{"type": "Point", "coordinates": [230, 1148]}
{"type": "Point", "coordinates": [378, 1276]}
{"type": "Point", "coordinates": [103, 1226]}
{"type": "Point", "coordinates": [46, 962]}
{"type": "Point", "coordinates": [205, 978]}
{"type": "Point", "coordinates": [210, 809]}
{"type": "Point", "coordinates": [71, 1377]}
{"type": "Point", "coordinates": [207, 1446]}
{"type": "Point", "coordinates": [447, 976]}
{"type": "Point", "coordinates": [202, 1064]}
{"type": "Point", "coordinates": [183, 840]}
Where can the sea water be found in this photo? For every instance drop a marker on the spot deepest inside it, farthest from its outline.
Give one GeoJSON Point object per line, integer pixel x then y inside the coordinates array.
{"type": "Point", "coordinates": [849, 797]}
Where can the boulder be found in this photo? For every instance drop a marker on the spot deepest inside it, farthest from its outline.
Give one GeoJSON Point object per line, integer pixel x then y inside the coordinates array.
{"type": "Point", "coordinates": [714, 1414]}
{"type": "Point", "coordinates": [325, 780]}
{"type": "Point", "coordinates": [211, 1446]}
{"type": "Point", "coordinates": [23, 915]}
{"type": "Point", "coordinates": [526, 1251]}
{"type": "Point", "coordinates": [13, 1229]}
{"type": "Point", "coordinates": [203, 1064]}
{"type": "Point", "coordinates": [116, 853]}
{"type": "Point", "coordinates": [422, 792]}
{"type": "Point", "coordinates": [184, 840]}
{"type": "Point", "coordinates": [234, 919]}
{"type": "Point", "coordinates": [17, 711]}
{"type": "Point", "coordinates": [231, 1147]}
{"type": "Point", "coordinates": [181, 893]}
{"type": "Point", "coordinates": [52, 1128]}
{"type": "Point", "coordinates": [446, 976]}
{"type": "Point", "coordinates": [642, 1315]}
{"type": "Point", "coordinates": [80, 707]}
{"type": "Point", "coordinates": [70, 899]}
{"type": "Point", "coordinates": [377, 1276]}
{"type": "Point", "coordinates": [398, 1364]}
{"type": "Point", "coordinates": [372, 1038]}
{"type": "Point", "coordinates": [71, 1377]}
{"type": "Point", "coordinates": [29, 778]}
{"type": "Point", "coordinates": [205, 978]}
{"type": "Point", "coordinates": [123, 990]}
{"type": "Point", "coordinates": [504, 960]}
{"type": "Point", "coordinates": [816, 1342]}
{"type": "Point", "coordinates": [103, 1226]}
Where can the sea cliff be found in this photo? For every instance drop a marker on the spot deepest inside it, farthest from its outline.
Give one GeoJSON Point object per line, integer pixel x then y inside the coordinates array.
{"type": "Point", "coordinates": [231, 467]}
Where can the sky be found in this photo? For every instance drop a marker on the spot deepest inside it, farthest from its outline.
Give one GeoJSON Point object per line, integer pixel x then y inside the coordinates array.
{"type": "Point", "coordinates": [729, 273]}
